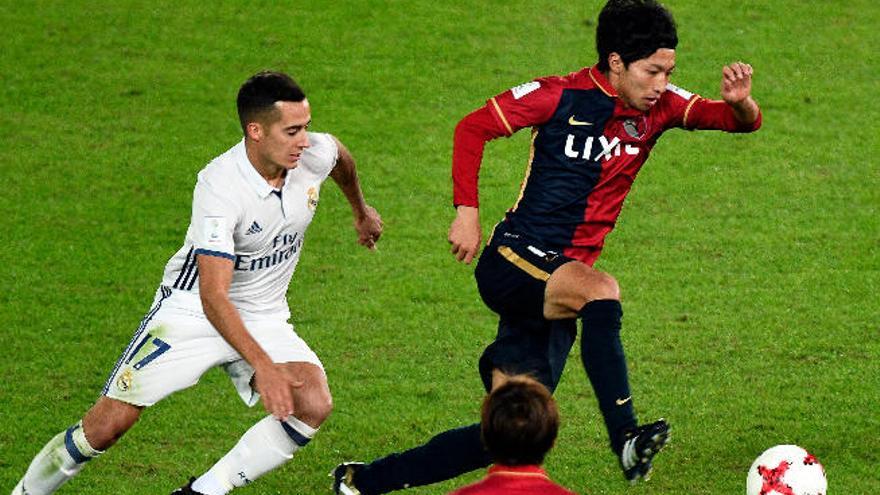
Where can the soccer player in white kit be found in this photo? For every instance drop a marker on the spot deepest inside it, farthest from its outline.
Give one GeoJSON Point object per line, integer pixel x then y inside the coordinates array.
{"type": "Point", "coordinates": [222, 301]}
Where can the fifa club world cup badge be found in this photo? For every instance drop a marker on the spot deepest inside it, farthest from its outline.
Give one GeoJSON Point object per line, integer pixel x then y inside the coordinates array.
{"type": "Point", "coordinates": [215, 228]}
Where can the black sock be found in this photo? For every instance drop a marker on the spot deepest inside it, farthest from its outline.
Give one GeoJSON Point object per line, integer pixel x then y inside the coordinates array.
{"type": "Point", "coordinates": [603, 358]}
{"type": "Point", "coordinates": [447, 455]}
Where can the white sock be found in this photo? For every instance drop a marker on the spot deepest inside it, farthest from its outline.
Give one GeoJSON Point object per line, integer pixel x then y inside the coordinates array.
{"type": "Point", "coordinates": [267, 445]}
{"type": "Point", "coordinates": [61, 459]}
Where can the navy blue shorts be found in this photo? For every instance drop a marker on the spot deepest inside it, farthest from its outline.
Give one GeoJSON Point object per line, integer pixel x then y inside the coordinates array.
{"type": "Point", "coordinates": [511, 276]}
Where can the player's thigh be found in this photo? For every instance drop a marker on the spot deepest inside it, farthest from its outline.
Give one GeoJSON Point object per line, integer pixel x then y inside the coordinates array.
{"type": "Point", "coordinates": [169, 352]}
{"type": "Point", "coordinates": [532, 346]}
{"type": "Point", "coordinates": [512, 274]}
{"type": "Point", "coordinates": [573, 285]}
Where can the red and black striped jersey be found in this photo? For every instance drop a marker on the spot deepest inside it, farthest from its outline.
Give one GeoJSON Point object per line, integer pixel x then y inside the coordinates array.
{"type": "Point", "coordinates": [587, 148]}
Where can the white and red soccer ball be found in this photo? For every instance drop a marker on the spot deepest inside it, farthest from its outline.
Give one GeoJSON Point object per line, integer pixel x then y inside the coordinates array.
{"type": "Point", "coordinates": [786, 470]}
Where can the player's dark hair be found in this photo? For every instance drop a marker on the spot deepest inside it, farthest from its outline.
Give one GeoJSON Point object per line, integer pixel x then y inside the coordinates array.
{"type": "Point", "coordinates": [519, 422]}
{"type": "Point", "coordinates": [634, 29]}
{"type": "Point", "coordinates": [257, 96]}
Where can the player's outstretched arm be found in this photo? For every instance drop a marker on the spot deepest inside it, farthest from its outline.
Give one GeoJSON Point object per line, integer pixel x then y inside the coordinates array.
{"type": "Point", "coordinates": [736, 90]}
{"type": "Point", "coordinates": [274, 386]}
{"type": "Point", "coordinates": [471, 135]}
{"type": "Point", "coordinates": [367, 221]}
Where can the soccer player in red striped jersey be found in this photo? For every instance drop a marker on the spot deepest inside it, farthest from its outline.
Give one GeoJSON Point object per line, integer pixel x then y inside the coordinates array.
{"type": "Point", "coordinates": [592, 131]}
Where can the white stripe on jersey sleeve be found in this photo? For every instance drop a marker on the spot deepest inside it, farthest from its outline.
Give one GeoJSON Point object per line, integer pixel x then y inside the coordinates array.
{"type": "Point", "coordinates": [687, 95]}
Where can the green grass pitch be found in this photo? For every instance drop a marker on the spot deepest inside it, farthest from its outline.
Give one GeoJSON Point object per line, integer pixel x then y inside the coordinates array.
{"type": "Point", "coordinates": [750, 265]}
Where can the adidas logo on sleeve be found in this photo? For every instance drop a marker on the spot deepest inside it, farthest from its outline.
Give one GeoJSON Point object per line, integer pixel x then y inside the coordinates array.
{"type": "Point", "coordinates": [254, 229]}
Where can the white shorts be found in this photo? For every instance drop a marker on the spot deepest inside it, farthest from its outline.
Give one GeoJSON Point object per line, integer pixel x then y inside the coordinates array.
{"type": "Point", "coordinates": [173, 348]}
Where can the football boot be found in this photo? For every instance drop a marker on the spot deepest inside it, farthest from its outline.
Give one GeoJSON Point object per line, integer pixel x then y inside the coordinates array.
{"type": "Point", "coordinates": [639, 448]}
{"type": "Point", "coordinates": [187, 489]}
{"type": "Point", "coordinates": [343, 478]}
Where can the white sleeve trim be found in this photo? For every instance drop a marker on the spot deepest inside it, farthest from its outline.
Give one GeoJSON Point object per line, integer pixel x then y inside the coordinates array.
{"type": "Point", "coordinates": [687, 95]}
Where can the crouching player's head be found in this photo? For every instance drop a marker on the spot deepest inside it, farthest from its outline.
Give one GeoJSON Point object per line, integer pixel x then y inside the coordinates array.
{"type": "Point", "coordinates": [519, 422]}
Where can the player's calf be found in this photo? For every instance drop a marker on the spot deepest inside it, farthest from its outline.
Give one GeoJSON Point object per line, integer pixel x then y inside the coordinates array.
{"type": "Point", "coordinates": [108, 420]}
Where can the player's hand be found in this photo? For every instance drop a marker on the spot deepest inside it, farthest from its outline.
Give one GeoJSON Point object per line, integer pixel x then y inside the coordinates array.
{"type": "Point", "coordinates": [369, 228]}
{"type": "Point", "coordinates": [276, 388]}
{"type": "Point", "coordinates": [465, 233]}
{"type": "Point", "coordinates": [736, 89]}
{"type": "Point", "coordinates": [736, 83]}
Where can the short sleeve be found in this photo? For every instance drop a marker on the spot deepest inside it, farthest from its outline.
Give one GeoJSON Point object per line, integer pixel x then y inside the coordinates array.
{"type": "Point", "coordinates": [675, 106]}
{"type": "Point", "coordinates": [213, 222]}
{"type": "Point", "coordinates": [321, 155]}
{"type": "Point", "coordinates": [526, 105]}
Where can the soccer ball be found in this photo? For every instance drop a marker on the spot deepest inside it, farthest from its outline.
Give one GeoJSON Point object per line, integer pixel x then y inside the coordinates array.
{"type": "Point", "coordinates": [786, 470]}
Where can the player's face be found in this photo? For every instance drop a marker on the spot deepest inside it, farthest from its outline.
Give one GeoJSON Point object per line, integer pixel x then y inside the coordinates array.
{"type": "Point", "coordinates": [641, 83]}
{"type": "Point", "coordinates": [282, 142]}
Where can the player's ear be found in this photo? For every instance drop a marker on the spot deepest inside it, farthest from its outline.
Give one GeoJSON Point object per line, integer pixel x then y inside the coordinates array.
{"type": "Point", "coordinates": [615, 63]}
{"type": "Point", "coordinates": [254, 131]}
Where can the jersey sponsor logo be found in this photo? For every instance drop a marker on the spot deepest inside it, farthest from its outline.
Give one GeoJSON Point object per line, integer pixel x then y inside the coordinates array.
{"type": "Point", "coordinates": [524, 89]}
{"type": "Point", "coordinates": [604, 148]}
{"type": "Point", "coordinates": [573, 121]}
{"type": "Point", "coordinates": [284, 245]}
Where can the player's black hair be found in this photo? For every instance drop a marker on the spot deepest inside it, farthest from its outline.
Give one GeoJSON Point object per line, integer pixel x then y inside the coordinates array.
{"type": "Point", "coordinates": [634, 29]}
{"type": "Point", "coordinates": [519, 422]}
{"type": "Point", "coordinates": [257, 96]}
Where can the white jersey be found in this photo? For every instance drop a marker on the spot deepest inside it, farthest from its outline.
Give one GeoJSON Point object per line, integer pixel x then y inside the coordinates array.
{"type": "Point", "coordinates": [237, 215]}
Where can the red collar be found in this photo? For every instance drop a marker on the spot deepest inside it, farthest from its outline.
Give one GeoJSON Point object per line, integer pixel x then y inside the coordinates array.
{"type": "Point", "coordinates": [600, 81]}
{"type": "Point", "coordinates": [530, 470]}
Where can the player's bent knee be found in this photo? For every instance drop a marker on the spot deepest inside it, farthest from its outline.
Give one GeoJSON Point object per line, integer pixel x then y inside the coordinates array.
{"type": "Point", "coordinates": [325, 407]}
{"type": "Point", "coordinates": [605, 287]}
{"type": "Point", "coordinates": [322, 407]}
{"type": "Point", "coordinates": [315, 408]}
{"type": "Point", "coordinates": [312, 402]}
{"type": "Point", "coordinates": [575, 284]}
